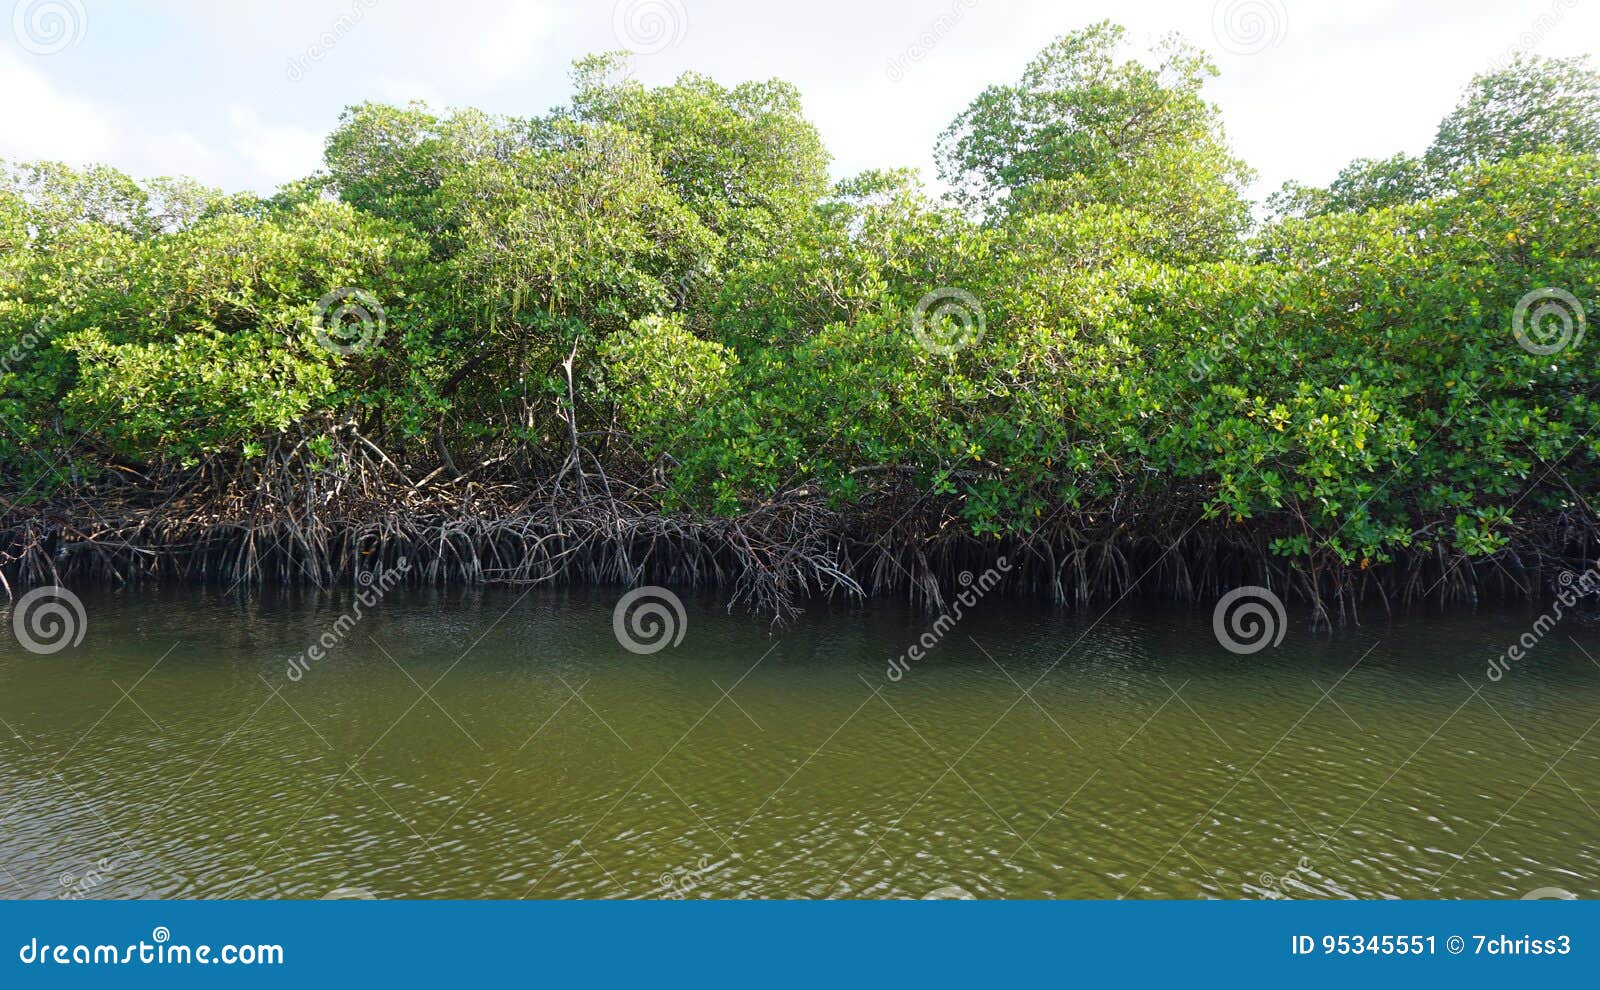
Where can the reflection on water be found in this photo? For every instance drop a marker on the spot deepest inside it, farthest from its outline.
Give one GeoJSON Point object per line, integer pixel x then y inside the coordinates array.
{"type": "Point", "coordinates": [490, 744]}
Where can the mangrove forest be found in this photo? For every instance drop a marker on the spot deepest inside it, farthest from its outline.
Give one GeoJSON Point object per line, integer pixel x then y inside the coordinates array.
{"type": "Point", "coordinates": [644, 337]}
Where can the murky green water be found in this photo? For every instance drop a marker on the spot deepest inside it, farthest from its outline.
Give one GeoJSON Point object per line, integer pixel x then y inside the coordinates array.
{"type": "Point", "coordinates": [493, 745]}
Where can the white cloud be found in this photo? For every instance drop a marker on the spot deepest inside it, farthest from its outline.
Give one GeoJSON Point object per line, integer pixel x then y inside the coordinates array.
{"type": "Point", "coordinates": [1336, 80]}
{"type": "Point", "coordinates": [43, 122]}
{"type": "Point", "coordinates": [505, 41]}
{"type": "Point", "coordinates": [400, 91]}
{"type": "Point", "coordinates": [484, 43]}
{"type": "Point", "coordinates": [274, 153]}
{"type": "Point", "coordinates": [179, 153]}
{"type": "Point", "coordinates": [39, 121]}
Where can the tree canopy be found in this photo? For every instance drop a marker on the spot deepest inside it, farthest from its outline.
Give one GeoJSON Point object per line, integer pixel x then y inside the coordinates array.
{"type": "Point", "coordinates": [1529, 106]}
{"type": "Point", "coordinates": [660, 284]}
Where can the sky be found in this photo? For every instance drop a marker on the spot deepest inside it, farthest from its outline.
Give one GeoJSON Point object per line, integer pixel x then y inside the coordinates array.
{"type": "Point", "coordinates": [241, 94]}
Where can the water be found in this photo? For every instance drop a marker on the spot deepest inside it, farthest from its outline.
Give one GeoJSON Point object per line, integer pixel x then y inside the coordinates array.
{"type": "Point", "coordinates": [495, 745]}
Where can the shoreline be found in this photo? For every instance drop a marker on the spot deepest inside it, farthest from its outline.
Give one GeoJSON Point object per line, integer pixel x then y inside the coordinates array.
{"type": "Point", "coordinates": [770, 559]}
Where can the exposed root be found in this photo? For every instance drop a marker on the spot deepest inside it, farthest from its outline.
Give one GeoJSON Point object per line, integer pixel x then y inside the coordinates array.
{"type": "Point", "coordinates": [286, 521]}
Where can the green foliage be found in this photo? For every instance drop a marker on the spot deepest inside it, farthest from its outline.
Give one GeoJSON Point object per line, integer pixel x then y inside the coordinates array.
{"type": "Point", "coordinates": [187, 342]}
{"type": "Point", "coordinates": [1532, 105]}
{"type": "Point", "coordinates": [1081, 127]}
{"type": "Point", "coordinates": [1365, 184]}
{"type": "Point", "coordinates": [664, 275]}
{"type": "Point", "coordinates": [743, 159]}
{"type": "Point", "coordinates": [663, 376]}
